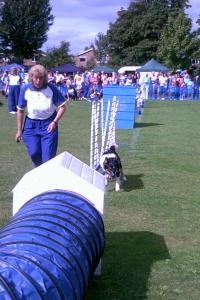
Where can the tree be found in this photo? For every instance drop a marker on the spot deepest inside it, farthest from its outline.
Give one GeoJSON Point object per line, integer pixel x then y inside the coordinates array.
{"type": "Point", "coordinates": [101, 48]}
{"type": "Point", "coordinates": [24, 25]}
{"type": "Point", "coordinates": [91, 64]}
{"type": "Point", "coordinates": [134, 37]}
{"type": "Point", "coordinates": [57, 56]}
{"type": "Point", "coordinates": [177, 45]}
{"type": "Point", "coordinates": [89, 47]}
{"type": "Point", "coordinates": [196, 54]}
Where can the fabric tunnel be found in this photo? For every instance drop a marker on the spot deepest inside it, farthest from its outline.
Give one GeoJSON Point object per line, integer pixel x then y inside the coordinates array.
{"type": "Point", "coordinates": [50, 248]}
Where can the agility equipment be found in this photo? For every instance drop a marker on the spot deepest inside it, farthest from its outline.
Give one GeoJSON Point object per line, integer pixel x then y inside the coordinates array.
{"type": "Point", "coordinates": [116, 110]}
{"type": "Point", "coordinates": [94, 133]}
{"type": "Point", "coordinates": [101, 140]}
{"type": "Point", "coordinates": [125, 116]}
{"type": "Point", "coordinates": [55, 239]}
{"type": "Point", "coordinates": [111, 128]}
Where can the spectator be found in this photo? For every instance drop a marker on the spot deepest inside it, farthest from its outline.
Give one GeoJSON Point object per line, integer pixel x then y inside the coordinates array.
{"type": "Point", "coordinates": [144, 81]}
{"type": "Point", "coordinates": [71, 93]}
{"type": "Point", "coordinates": [78, 84]}
{"type": "Point", "coordinates": [5, 78]}
{"type": "Point", "coordinates": [163, 81]}
{"type": "Point", "coordinates": [13, 86]}
{"type": "Point", "coordinates": [51, 77]}
{"type": "Point", "coordinates": [114, 79]}
{"type": "Point", "coordinates": [196, 87]}
{"type": "Point", "coordinates": [58, 77]}
{"type": "Point", "coordinates": [122, 79]}
{"type": "Point", "coordinates": [129, 80]}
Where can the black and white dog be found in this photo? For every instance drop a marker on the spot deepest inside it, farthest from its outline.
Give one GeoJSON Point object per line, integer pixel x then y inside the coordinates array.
{"type": "Point", "coordinates": [111, 165]}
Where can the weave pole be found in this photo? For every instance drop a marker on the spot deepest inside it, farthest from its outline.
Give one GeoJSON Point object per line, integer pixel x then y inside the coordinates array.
{"type": "Point", "coordinates": [104, 127]}
{"type": "Point", "coordinates": [107, 134]}
{"type": "Point", "coordinates": [111, 127]}
{"type": "Point", "coordinates": [94, 138]}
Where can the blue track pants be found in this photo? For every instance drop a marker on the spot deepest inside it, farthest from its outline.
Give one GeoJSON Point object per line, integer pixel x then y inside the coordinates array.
{"type": "Point", "coordinates": [13, 96]}
{"type": "Point", "coordinates": [41, 145]}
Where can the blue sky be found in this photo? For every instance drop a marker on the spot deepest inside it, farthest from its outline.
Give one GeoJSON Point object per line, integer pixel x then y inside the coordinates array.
{"type": "Point", "coordinates": [79, 21]}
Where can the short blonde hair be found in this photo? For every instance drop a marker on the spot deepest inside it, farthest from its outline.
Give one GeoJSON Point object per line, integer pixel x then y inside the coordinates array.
{"type": "Point", "coordinates": [38, 70]}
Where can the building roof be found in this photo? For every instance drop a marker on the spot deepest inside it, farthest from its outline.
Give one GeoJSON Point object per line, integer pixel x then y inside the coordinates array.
{"type": "Point", "coordinates": [83, 52]}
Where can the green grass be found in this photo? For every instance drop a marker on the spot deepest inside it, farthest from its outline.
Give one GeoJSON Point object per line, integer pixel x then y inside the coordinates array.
{"type": "Point", "coordinates": [152, 225]}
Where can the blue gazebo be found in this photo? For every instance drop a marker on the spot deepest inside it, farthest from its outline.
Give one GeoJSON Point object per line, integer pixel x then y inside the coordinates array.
{"type": "Point", "coordinates": [153, 66]}
{"type": "Point", "coordinates": [66, 68]}
{"type": "Point", "coordinates": [104, 69]}
{"type": "Point", "coordinates": [11, 66]}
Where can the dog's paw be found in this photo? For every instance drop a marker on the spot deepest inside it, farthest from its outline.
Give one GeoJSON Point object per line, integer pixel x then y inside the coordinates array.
{"type": "Point", "coordinates": [117, 186]}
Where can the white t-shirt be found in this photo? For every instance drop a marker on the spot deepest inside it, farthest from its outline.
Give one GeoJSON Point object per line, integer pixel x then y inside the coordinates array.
{"type": "Point", "coordinates": [14, 80]}
{"type": "Point", "coordinates": [40, 104]}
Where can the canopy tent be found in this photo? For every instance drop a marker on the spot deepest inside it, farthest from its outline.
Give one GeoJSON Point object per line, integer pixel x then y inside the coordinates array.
{"type": "Point", "coordinates": [104, 69]}
{"type": "Point", "coordinates": [128, 69]}
{"type": "Point", "coordinates": [153, 66]}
{"type": "Point", "coordinates": [10, 66]}
{"type": "Point", "coordinates": [66, 68]}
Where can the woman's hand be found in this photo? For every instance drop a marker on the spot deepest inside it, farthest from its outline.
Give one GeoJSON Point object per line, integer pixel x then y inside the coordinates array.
{"type": "Point", "coordinates": [52, 126]}
{"type": "Point", "coordinates": [18, 136]}
{"type": "Point", "coordinates": [20, 116]}
{"type": "Point", "coordinates": [54, 123]}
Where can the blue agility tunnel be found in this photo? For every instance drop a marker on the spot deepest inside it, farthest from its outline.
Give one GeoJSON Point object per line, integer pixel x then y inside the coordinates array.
{"type": "Point", "coordinates": [50, 248]}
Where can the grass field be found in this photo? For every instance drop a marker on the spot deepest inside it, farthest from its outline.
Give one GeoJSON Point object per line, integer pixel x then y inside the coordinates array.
{"type": "Point", "coordinates": [153, 225]}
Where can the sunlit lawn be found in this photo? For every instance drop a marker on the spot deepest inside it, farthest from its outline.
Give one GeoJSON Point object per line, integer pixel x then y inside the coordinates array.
{"type": "Point", "coordinates": [152, 225]}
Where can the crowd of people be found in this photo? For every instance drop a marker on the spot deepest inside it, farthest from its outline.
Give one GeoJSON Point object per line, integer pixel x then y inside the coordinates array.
{"type": "Point", "coordinates": [152, 85]}
{"type": "Point", "coordinates": [170, 86]}
{"type": "Point", "coordinates": [89, 85]}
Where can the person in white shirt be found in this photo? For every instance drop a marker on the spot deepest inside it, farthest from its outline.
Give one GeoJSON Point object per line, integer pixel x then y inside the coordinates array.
{"type": "Point", "coordinates": [163, 79]}
{"type": "Point", "coordinates": [45, 106]}
{"type": "Point", "coordinates": [58, 77]}
{"type": "Point", "coordinates": [13, 84]}
{"type": "Point", "coordinates": [144, 82]}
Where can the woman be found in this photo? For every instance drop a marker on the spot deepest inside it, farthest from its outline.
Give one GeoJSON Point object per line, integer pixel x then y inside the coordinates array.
{"type": "Point", "coordinates": [13, 85]}
{"type": "Point", "coordinates": [45, 106]}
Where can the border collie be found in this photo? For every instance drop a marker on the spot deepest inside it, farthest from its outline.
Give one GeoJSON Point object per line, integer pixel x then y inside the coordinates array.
{"type": "Point", "coordinates": [110, 163]}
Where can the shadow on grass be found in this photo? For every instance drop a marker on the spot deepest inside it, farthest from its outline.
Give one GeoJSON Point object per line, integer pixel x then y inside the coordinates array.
{"type": "Point", "coordinates": [126, 265]}
{"type": "Point", "coordinates": [133, 182]}
{"type": "Point", "coordinates": [140, 125]}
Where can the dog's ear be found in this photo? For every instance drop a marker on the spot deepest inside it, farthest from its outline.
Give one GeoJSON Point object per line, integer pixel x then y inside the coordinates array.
{"type": "Point", "coordinates": [112, 148]}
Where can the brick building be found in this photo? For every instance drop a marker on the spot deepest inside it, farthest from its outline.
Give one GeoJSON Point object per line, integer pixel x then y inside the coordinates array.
{"type": "Point", "coordinates": [29, 62]}
{"type": "Point", "coordinates": [84, 57]}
